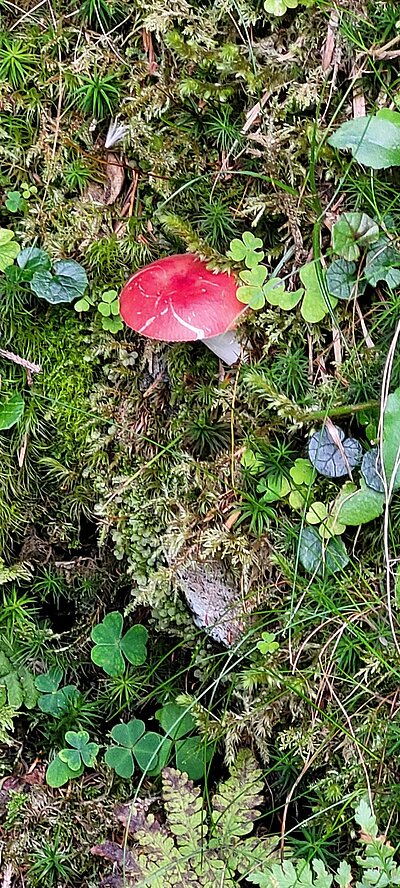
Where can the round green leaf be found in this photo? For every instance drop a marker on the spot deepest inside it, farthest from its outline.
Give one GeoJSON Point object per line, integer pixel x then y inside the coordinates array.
{"type": "Point", "coordinates": [318, 557]}
{"type": "Point", "coordinates": [175, 720]}
{"type": "Point", "coordinates": [356, 507]}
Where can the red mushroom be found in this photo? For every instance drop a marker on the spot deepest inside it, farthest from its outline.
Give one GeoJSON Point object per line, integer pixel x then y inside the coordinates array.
{"type": "Point", "coordinates": [177, 299]}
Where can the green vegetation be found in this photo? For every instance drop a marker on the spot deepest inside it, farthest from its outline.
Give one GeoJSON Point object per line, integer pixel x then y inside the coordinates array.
{"type": "Point", "coordinates": [199, 563]}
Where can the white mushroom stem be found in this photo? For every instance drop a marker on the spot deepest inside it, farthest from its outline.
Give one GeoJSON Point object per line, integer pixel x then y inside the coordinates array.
{"type": "Point", "coordinates": [226, 346]}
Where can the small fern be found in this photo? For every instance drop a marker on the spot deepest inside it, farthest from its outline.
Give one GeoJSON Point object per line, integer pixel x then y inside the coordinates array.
{"type": "Point", "coordinates": [378, 867]}
{"type": "Point", "coordinates": [190, 848]}
{"type": "Point", "coordinates": [17, 684]}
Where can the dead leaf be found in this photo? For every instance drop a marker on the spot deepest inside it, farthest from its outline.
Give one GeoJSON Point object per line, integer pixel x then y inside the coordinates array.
{"type": "Point", "coordinates": [329, 45]}
{"type": "Point", "coordinates": [108, 192]}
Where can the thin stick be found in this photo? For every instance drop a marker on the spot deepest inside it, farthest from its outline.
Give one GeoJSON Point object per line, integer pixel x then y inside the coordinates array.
{"type": "Point", "coordinates": [32, 368]}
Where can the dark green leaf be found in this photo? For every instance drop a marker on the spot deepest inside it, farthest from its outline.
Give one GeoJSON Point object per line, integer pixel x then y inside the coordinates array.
{"type": "Point", "coordinates": [175, 720]}
{"type": "Point", "coordinates": [127, 734]}
{"type": "Point", "coordinates": [341, 278]}
{"type": "Point", "coordinates": [383, 264]}
{"type": "Point", "coordinates": [58, 773]}
{"type": "Point", "coordinates": [320, 558]}
{"type": "Point", "coordinates": [352, 231]}
{"type": "Point", "coordinates": [191, 756]}
{"type": "Point", "coordinates": [133, 645]}
{"type": "Point", "coordinates": [68, 283]}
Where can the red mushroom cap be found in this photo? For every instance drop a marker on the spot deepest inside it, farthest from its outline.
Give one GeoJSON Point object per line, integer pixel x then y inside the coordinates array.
{"type": "Point", "coordinates": [178, 299]}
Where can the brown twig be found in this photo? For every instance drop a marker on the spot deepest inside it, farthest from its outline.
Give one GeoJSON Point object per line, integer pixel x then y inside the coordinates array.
{"type": "Point", "coordinates": [27, 365]}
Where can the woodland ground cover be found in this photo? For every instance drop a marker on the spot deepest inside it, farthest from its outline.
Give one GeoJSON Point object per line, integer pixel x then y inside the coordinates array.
{"type": "Point", "coordinates": [199, 563]}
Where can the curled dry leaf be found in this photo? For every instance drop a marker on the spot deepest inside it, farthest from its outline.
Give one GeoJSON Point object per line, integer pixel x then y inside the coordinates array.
{"type": "Point", "coordinates": [108, 192]}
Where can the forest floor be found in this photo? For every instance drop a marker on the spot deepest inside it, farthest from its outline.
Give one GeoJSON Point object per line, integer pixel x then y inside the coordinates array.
{"type": "Point", "coordinates": [199, 630]}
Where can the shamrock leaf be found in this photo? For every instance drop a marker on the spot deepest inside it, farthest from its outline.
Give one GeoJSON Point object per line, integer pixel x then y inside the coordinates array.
{"type": "Point", "coordinates": [80, 750]}
{"type": "Point", "coordinates": [14, 201]}
{"type": "Point", "coordinates": [352, 231]}
{"type": "Point", "coordinates": [316, 513]}
{"type": "Point", "coordinates": [331, 527]}
{"type": "Point", "coordinates": [120, 757]}
{"type": "Point", "coordinates": [279, 7]}
{"type": "Point", "coordinates": [302, 472]}
{"type": "Point", "coordinates": [341, 278]}
{"type": "Point", "coordinates": [151, 751]}
{"type": "Point", "coordinates": [331, 454]}
{"type": "Point", "coordinates": [11, 411]}
{"type": "Point", "coordinates": [249, 249]}
{"type": "Point", "coordinates": [275, 294]}
{"type": "Point", "coordinates": [316, 303]}
{"type": "Point", "coordinates": [82, 304]}
{"type": "Point", "coordinates": [111, 646]}
{"type": "Point", "coordinates": [252, 294]}
{"type": "Point", "coordinates": [268, 645]}
{"type": "Point", "coordinates": [112, 324]}
{"type": "Point", "coordinates": [54, 700]}
{"type": "Point", "coordinates": [9, 248]}
{"type": "Point", "coordinates": [59, 773]}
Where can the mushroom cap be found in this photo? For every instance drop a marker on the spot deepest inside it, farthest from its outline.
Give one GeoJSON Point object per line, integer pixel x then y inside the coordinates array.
{"type": "Point", "coordinates": [177, 299]}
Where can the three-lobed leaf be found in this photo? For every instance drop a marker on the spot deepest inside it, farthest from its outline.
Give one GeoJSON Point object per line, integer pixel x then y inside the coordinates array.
{"type": "Point", "coordinates": [9, 248]}
{"type": "Point", "coordinates": [110, 646]}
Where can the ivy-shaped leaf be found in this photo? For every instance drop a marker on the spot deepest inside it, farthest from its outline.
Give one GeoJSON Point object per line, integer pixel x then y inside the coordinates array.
{"type": "Point", "coordinates": [319, 557]}
{"type": "Point", "coordinates": [352, 231]}
{"type": "Point", "coordinates": [332, 454]}
{"type": "Point", "coordinates": [359, 506]}
{"type": "Point", "coordinates": [68, 282]}
{"type": "Point", "coordinates": [341, 279]}
{"type": "Point", "coordinates": [383, 263]}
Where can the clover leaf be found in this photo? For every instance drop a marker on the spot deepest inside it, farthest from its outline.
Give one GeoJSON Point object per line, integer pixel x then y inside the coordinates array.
{"type": "Point", "coordinates": [54, 700]}
{"type": "Point", "coordinates": [279, 7]}
{"type": "Point", "coordinates": [316, 513]}
{"type": "Point", "coordinates": [253, 294]}
{"type": "Point", "coordinates": [316, 303]}
{"type": "Point", "coordinates": [119, 756]}
{"type": "Point", "coordinates": [151, 752]}
{"type": "Point", "coordinates": [70, 761]}
{"type": "Point", "coordinates": [268, 645]}
{"type": "Point", "coordinates": [248, 249]}
{"type": "Point", "coordinates": [58, 773]}
{"type": "Point", "coordinates": [14, 201]}
{"type": "Point", "coordinates": [352, 231]}
{"type": "Point", "coordinates": [111, 646]}
{"type": "Point", "coordinates": [302, 472]}
{"type": "Point", "coordinates": [9, 248]}
{"type": "Point", "coordinates": [332, 454]}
